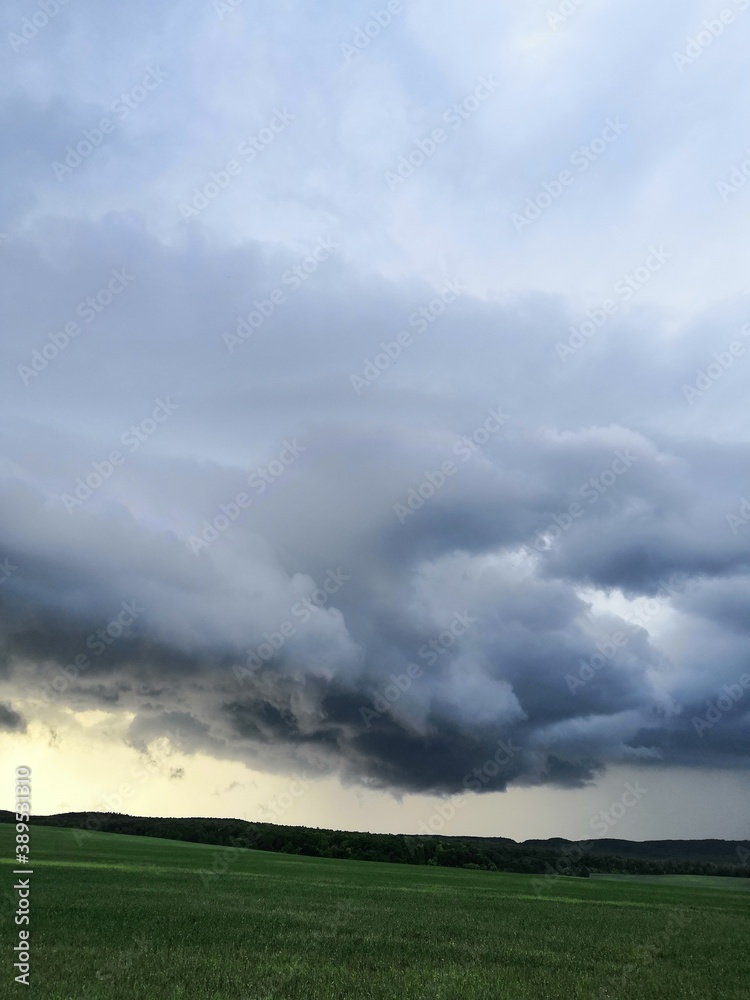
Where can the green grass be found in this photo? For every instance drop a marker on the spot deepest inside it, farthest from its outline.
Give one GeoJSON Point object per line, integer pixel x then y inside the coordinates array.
{"type": "Point", "coordinates": [131, 917]}
{"type": "Point", "coordinates": [691, 881]}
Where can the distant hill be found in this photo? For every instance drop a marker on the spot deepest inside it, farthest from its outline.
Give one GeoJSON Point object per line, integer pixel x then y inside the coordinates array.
{"type": "Point", "coordinates": [545, 857]}
{"type": "Point", "coordinates": [717, 851]}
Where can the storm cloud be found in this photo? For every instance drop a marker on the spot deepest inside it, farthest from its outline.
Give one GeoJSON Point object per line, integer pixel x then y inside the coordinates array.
{"type": "Point", "coordinates": [348, 476]}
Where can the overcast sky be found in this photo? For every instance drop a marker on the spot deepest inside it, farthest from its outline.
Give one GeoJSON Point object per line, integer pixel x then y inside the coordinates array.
{"type": "Point", "coordinates": [374, 440]}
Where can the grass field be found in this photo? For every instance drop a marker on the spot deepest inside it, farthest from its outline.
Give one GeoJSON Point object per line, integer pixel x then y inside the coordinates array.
{"type": "Point", "coordinates": [131, 917]}
{"type": "Point", "coordinates": [691, 881]}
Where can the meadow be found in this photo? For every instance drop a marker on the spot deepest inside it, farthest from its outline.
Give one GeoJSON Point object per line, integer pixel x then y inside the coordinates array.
{"type": "Point", "coordinates": [139, 918]}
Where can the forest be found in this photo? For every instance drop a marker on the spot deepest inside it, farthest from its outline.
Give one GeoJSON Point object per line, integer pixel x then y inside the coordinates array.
{"type": "Point", "coordinates": [559, 857]}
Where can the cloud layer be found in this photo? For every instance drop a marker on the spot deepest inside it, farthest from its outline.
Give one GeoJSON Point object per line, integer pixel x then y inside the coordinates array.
{"type": "Point", "coordinates": [352, 475]}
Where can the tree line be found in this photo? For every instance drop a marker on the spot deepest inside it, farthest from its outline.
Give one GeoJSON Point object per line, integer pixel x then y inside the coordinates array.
{"type": "Point", "coordinates": [477, 853]}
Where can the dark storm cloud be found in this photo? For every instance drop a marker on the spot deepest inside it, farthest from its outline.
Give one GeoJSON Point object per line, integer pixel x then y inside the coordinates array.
{"type": "Point", "coordinates": [496, 542]}
{"type": "Point", "coordinates": [486, 504]}
{"type": "Point", "coordinates": [11, 720]}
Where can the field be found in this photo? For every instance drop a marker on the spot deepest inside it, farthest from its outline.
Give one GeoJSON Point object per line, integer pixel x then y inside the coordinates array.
{"type": "Point", "coordinates": [132, 917]}
{"type": "Point", "coordinates": [691, 881]}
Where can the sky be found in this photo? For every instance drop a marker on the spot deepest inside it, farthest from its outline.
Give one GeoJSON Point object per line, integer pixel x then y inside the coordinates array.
{"type": "Point", "coordinates": [373, 438]}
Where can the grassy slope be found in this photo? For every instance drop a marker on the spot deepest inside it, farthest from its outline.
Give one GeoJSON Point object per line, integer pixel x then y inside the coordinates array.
{"type": "Point", "coordinates": [130, 917]}
{"type": "Point", "coordinates": [692, 881]}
